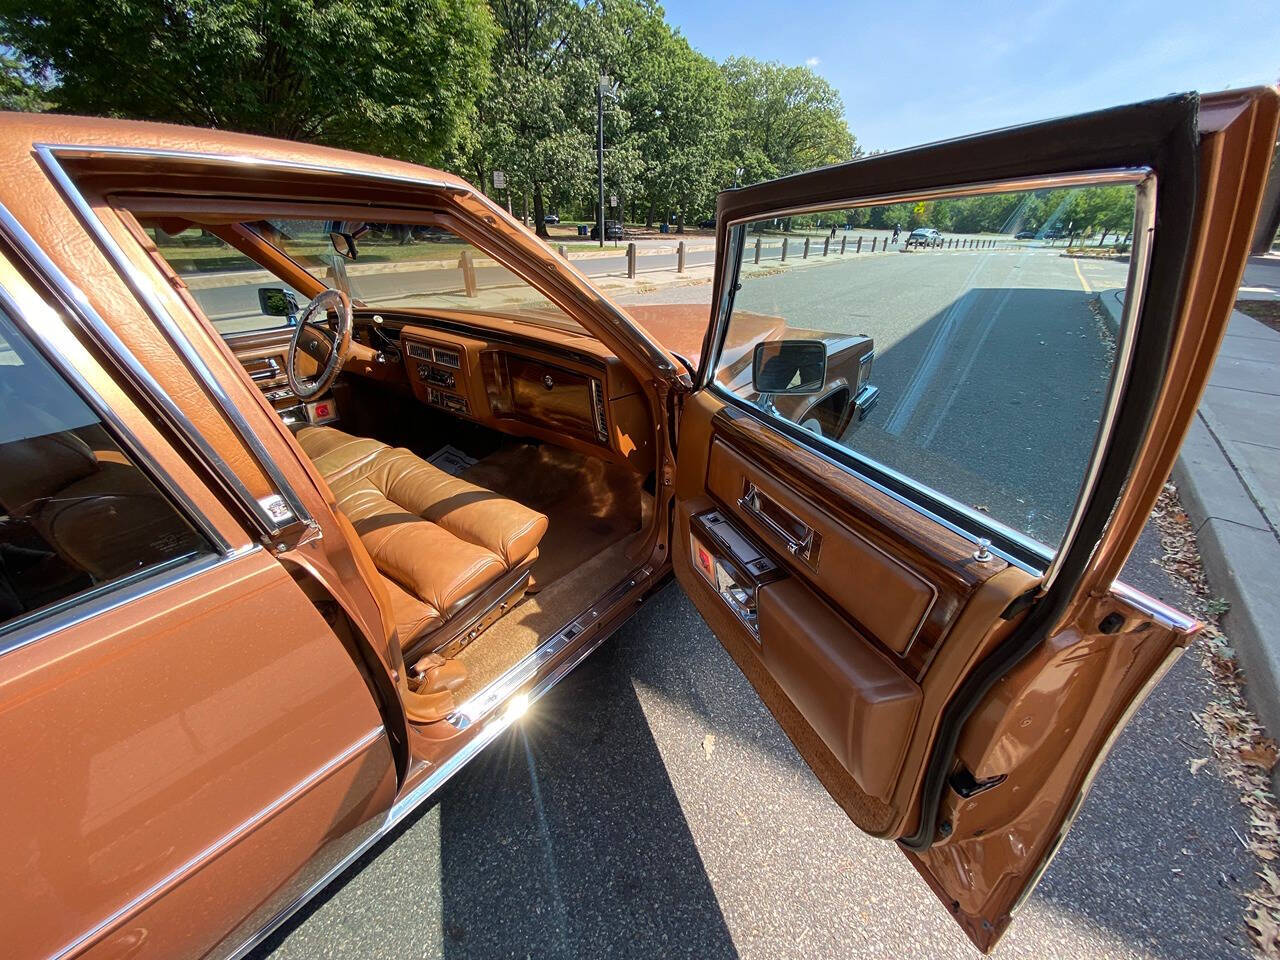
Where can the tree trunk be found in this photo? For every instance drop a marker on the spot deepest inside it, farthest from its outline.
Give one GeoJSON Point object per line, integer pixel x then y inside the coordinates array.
{"type": "Point", "coordinates": [680, 219]}
{"type": "Point", "coordinates": [1103, 238]}
{"type": "Point", "coordinates": [648, 219]}
{"type": "Point", "coordinates": [539, 212]}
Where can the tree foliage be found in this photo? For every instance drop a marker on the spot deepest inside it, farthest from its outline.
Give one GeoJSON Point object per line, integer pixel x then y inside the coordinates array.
{"type": "Point", "coordinates": [505, 85]}
{"type": "Point", "coordinates": [394, 77]}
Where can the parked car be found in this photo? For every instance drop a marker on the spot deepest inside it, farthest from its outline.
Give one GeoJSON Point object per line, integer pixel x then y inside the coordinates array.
{"type": "Point", "coordinates": [923, 237]}
{"type": "Point", "coordinates": [551, 218]}
{"type": "Point", "coordinates": [257, 607]}
{"type": "Point", "coordinates": [708, 224]}
{"type": "Point", "coordinates": [612, 231]}
{"type": "Point", "coordinates": [1025, 235]}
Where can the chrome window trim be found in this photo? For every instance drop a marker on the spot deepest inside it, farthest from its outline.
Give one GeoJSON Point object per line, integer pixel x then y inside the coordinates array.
{"type": "Point", "coordinates": [656, 353]}
{"type": "Point", "coordinates": [139, 454]}
{"type": "Point", "coordinates": [142, 289]}
{"type": "Point", "coordinates": [983, 527]}
{"type": "Point", "coordinates": [79, 608]}
{"type": "Point", "coordinates": [1144, 181]}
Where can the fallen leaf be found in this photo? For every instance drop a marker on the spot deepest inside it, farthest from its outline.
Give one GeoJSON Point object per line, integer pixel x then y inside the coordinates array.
{"type": "Point", "coordinates": [1198, 763]}
{"type": "Point", "coordinates": [709, 744]}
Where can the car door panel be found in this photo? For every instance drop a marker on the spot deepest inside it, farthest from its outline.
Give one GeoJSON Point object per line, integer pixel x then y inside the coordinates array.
{"type": "Point", "coordinates": [953, 692]}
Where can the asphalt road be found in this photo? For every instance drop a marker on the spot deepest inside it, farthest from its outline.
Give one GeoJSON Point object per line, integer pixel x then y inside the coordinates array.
{"type": "Point", "coordinates": [602, 826]}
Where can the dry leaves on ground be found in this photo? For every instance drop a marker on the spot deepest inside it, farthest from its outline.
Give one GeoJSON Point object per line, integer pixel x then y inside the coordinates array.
{"type": "Point", "coordinates": [1241, 747]}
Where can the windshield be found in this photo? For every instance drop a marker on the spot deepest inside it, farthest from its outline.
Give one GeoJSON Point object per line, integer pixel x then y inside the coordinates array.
{"type": "Point", "coordinates": [398, 265]}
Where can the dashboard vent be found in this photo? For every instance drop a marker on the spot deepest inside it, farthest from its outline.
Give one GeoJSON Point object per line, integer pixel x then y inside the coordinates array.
{"type": "Point", "coordinates": [419, 352]}
{"type": "Point", "coordinates": [597, 408]}
{"type": "Point", "coordinates": [447, 358]}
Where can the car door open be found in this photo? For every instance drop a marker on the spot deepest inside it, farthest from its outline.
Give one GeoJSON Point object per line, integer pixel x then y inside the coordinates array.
{"type": "Point", "coordinates": [911, 548]}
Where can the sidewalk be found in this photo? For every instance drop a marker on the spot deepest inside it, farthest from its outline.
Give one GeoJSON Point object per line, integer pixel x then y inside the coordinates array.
{"type": "Point", "coordinates": [1229, 477]}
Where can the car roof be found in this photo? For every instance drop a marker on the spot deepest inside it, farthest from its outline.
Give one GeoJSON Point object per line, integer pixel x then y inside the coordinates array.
{"type": "Point", "coordinates": [24, 131]}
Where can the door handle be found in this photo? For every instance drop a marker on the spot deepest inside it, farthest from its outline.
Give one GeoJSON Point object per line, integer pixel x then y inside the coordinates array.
{"type": "Point", "coordinates": [752, 503]}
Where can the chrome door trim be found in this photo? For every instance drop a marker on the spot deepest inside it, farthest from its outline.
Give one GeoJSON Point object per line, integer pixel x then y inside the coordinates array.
{"type": "Point", "coordinates": [1144, 222]}
{"type": "Point", "coordinates": [982, 525]}
{"type": "Point", "coordinates": [143, 289]}
{"type": "Point", "coordinates": [82, 607]}
{"type": "Point", "coordinates": [141, 456]}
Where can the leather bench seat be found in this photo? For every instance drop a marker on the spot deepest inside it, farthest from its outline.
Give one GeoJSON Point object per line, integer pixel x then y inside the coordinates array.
{"type": "Point", "coordinates": [437, 540]}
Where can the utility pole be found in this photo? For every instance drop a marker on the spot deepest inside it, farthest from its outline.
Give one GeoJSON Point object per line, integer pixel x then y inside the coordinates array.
{"type": "Point", "coordinates": [603, 89]}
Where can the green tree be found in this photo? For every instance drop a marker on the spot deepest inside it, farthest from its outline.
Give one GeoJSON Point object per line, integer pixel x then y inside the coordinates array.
{"type": "Point", "coordinates": [538, 123]}
{"type": "Point", "coordinates": [675, 100]}
{"type": "Point", "coordinates": [783, 120]}
{"type": "Point", "coordinates": [395, 77]}
{"type": "Point", "coordinates": [19, 90]}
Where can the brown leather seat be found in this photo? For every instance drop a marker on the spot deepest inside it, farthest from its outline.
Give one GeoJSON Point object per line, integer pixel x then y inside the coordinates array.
{"type": "Point", "coordinates": [439, 541]}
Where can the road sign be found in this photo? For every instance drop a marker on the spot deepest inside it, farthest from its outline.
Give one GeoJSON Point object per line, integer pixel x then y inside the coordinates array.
{"type": "Point", "coordinates": [499, 180]}
{"type": "Point", "coordinates": [613, 199]}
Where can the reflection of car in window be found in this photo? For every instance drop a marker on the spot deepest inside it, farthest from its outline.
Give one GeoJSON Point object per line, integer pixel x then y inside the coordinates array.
{"type": "Point", "coordinates": [845, 396]}
{"type": "Point", "coordinates": [1025, 235]}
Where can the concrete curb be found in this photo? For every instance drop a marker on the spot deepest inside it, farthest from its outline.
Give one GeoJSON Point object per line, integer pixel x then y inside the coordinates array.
{"type": "Point", "coordinates": [1241, 556]}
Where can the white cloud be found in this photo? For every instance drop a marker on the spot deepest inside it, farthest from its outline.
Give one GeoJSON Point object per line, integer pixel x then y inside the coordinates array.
{"type": "Point", "coordinates": [812, 62]}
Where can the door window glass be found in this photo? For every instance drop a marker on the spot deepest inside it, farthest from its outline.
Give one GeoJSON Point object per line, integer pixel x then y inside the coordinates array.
{"type": "Point", "coordinates": [225, 283]}
{"type": "Point", "coordinates": [76, 513]}
{"type": "Point", "coordinates": [969, 341]}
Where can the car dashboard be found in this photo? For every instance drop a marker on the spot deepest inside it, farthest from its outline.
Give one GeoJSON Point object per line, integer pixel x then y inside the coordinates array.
{"type": "Point", "coordinates": [517, 378]}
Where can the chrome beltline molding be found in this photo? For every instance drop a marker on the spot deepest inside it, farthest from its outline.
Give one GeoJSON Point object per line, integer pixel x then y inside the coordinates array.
{"type": "Point", "coordinates": [143, 289]}
{"type": "Point", "coordinates": [496, 721]}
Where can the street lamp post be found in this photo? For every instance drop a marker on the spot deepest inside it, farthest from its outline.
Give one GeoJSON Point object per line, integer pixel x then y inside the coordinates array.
{"type": "Point", "coordinates": [604, 88]}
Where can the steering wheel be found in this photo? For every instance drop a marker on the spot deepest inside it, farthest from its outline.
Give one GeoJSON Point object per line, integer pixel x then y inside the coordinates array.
{"type": "Point", "coordinates": [324, 335]}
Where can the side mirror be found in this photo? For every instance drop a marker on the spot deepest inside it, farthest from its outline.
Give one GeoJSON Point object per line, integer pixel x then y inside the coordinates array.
{"type": "Point", "coordinates": [277, 302]}
{"type": "Point", "coordinates": [789, 366]}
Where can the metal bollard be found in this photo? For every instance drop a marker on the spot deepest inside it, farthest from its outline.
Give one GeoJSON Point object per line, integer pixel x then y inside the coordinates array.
{"type": "Point", "coordinates": [631, 260]}
{"type": "Point", "coordinates": [826, 245]}
{"type": "Point", "coordinates": [680, 257]}
{"type": "Point", "coordinates": [784, 249]}
{"type": "Point", "coordinates": [757, 249]}
{"type": "Point", "coordinates": [858, 247]}
{"type": "Point", "coordinates": [805, 255]}
{"type": "Point", "coordinates": [842, 241]}
{"type": "Point", "coordinates": [873, 244]}
{"type": "Point", "coordinates": [468, 267]}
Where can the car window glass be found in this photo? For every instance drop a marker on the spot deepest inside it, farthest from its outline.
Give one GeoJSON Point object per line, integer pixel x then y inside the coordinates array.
{"type": "Point", "coordinates": [76, 513]}
{"type": "Point", "coordinates": [403, 265]}
{"type": "Point", "coordinates": [970, 340]}
{"type": "Point", "coordinates": [223, 281]}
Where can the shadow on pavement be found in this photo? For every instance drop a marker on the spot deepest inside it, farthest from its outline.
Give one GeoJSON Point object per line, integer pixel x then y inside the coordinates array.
{"type": "Point", "coordinates": [566, 839]}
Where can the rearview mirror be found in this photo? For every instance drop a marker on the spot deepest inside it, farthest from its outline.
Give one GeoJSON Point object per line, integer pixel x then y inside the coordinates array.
{"type": "Point", "coordinates": [789, 366]}
{"type": "Point", "coordinates": [343, 235]}
{"type": "Point", "coordinates": [277, 302]}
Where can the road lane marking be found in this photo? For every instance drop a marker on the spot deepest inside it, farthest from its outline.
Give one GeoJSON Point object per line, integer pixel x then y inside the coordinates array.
{"type": "Point", "coordinates": [1083, 282]}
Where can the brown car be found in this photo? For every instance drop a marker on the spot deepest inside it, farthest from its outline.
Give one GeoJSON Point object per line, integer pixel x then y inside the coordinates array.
{"type": "Point", "coordinates": [300, 511]}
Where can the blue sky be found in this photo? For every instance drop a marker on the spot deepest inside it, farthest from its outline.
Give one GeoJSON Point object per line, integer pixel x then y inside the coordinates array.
{"type": "Point", "coordinates": [915, 72]}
